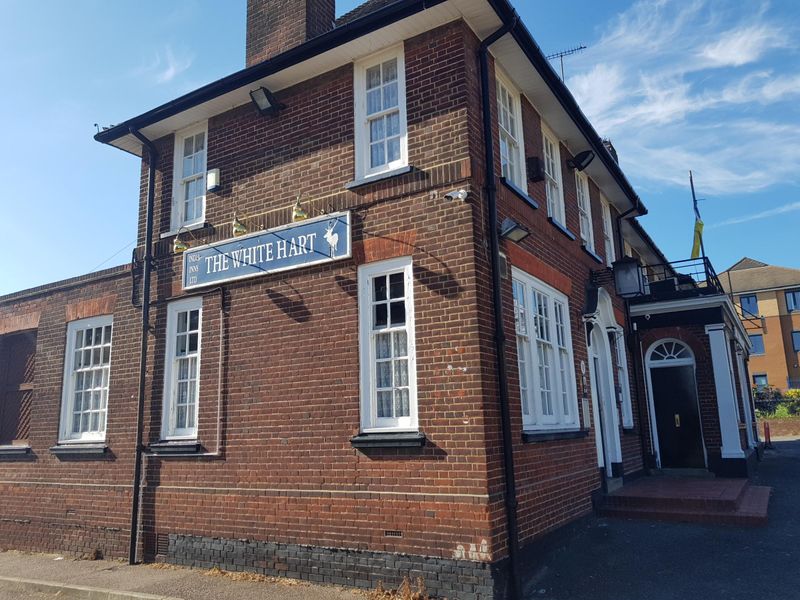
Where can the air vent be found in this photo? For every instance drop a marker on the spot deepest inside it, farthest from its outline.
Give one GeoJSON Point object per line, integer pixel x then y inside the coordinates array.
{"type": "Point", "coordinates": [162, 544]}
{"type": "Point", "coordinates": [393, 533]}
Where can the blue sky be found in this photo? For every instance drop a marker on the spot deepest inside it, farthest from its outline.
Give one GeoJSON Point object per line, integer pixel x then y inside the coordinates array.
{"type": "Point", "coordinates": [685, 84]}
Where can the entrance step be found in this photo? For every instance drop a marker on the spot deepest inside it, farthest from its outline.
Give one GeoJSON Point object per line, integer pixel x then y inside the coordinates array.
{"type": "Point", "coordinates": [613, 484]}
{"type": "Point", "coordinates": [698, 473]}
{"type": "Point", "coordinates": [722, 501]}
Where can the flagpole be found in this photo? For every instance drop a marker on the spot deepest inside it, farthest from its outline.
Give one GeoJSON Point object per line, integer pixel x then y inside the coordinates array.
{"type": "Point", "coordinates": [696, 213]}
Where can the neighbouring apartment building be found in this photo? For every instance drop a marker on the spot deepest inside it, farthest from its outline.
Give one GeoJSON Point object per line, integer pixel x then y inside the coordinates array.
{"type": "Point", "coordinates": [768, 299]}
{"type": "Point", "coordinates": [371, 327]}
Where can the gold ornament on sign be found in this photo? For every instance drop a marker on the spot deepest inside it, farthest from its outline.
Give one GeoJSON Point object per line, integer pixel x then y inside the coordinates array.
{"type": "Point", "coordinates": [238, 227]}
{"type": "Point", "coordinates": [298, 213]}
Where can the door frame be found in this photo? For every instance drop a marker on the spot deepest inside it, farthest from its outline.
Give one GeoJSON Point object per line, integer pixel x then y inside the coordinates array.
{"type": "Point", "coordinates": [609, 443]}
{"type": "Point", "coordinates": [680, 362]}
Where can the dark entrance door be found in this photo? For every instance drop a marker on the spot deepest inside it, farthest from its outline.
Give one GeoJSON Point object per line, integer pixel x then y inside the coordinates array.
{"type": "Point", "coordinates": [677, 419]}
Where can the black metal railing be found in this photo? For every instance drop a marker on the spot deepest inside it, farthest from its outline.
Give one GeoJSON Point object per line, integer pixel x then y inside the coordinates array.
{"type": "Point", "coordinates": [681, 278]}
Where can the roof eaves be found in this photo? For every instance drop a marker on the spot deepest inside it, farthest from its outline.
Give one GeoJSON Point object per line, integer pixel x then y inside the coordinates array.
{"type": "Point", "coordinates": [369, 22]}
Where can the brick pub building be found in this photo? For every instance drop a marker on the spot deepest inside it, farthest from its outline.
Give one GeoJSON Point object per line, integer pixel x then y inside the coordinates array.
{"type": "Point", "coordinates": [350, 350]}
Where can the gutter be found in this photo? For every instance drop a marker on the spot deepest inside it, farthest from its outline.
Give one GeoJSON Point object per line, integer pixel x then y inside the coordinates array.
{"type": "Point", "coordinates": [348, 32]}
{"type": "Point", "coordinates": [152, 155]}
{"type": "Point", "coordinates": [534, 54]}
{"type": "Point", "coordinates": [497, 302]}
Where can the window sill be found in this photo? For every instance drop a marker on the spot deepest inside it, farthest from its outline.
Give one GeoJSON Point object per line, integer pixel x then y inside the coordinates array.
{"type": "Point", "coordinates": [388, 440]}
{"type": "Point", "coordinates": [519, 193]}
{"type": "Point", "coordinates": [168, 448]}
{"type": "Point", "coordinates": [378, 177]}
{"type": "Point", "coordinates": [591, 253]}
{"type": "Point", "coordinates": [562, 228]}
{"type": "Point", "coordinates": [14, 451]}
{"type": "Point", "coordinates": [78, 450]}
{"type": "Point", "coordinates": [549, 436]}
{"type": "Point", "coordinates": [186, 228]}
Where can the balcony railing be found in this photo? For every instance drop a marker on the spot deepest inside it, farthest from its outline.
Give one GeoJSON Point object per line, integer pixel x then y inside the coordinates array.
{"type": "Point", "coordinates": [681, 279]}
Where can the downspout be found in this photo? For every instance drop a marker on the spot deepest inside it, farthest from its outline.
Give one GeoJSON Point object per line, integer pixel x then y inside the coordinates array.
{"type": "Point", "coordinates": [152, 157]}
{"type": "Point", "coordinates": [497, 301]}
{"type": "Point", "coordinates": [634, 350]}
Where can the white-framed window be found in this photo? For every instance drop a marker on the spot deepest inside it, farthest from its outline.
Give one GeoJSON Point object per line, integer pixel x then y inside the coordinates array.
{"type": "Point", "coordinates": [189, 177]}
{"type": "Point", "coordinates": [380, 105]}
{"type": "Point", "coordinates": [608, 232]}
{"type": "Point", "coordinates": [544, 350]}
{"type": "Point", "coordinates": [87, 370]}
{"type": "Point", "coordinates": [387, 346]}
{"type": "Point", "coordinates": [584, 210]}
{"type": "Point", "coordinates": [512, 146]}
{"type": "Point", "coordinates": [616, 340]}
{"type": "Point", "coordinates": [552, 176]}
{"type": "Point", "coordinates": [182, 369]}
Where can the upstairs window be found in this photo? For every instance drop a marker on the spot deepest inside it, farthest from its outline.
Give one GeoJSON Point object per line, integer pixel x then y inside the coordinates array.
{"type": "Point", "coordinates": [189, 185]}
{"type": "Point", "coordinates": [793, 300]}
{"type": "Point", "coordinates": [544, 352]}
{"type": "Point", "coordinates": [512, 157]}
{"type": "Point", "coordinates": [387, 346]}
{"type": "Point", "coordinates": [552, 175]}
{"type": "Point", "coordinates": [182, 369]}
{"type": "Point", "coordinates": [380, 105]}
{"type": "Point", "coordinates": [584, 210]}
{"type": "Point", "coordinates": [608, 233]}
{"type": "Point", "coordinates": [749, 305]}
{"type": "Point", "coordinates": [757, 341]}
{"type": "Point", "coordinates": [87, 371]}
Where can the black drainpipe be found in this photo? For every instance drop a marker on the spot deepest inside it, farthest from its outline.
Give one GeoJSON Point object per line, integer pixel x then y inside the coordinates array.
{"type": "Point", "coordinates": [497, 299]}
{"type": "Point", "coordinates": [633, 343]}
{"type": "Point", "coordinates": [152, 157]}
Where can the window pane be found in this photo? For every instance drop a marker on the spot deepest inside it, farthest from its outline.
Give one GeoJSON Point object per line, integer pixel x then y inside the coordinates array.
{"type": "Point", "coordinates": [384, 405]}
{"type": "Point", "coordinates": [373, 101]}
{"type": "Point", "coordinates": [377, 155]}
{"type": "Point", "coordinates": [192, 342]}
{"type": "Point", "coordinates": [390, 96]}
{"type": "Point", "coordinates": [758, 343]}
{"type": "Point", "coordinates": [182, 320]}
{"type": "Point", "coordinates": [400, 343]}
{"type": "Point", "coordinates": [390, 70]}
{"type": "Point", "coordinates": [401, 373]}
{"type": "Point", "coordinates": [396, 285]}
{"type": "Point", "coordinates": [401, 404]}
{"type": "Point", "coordinates": [383, 348]}
{"type": "Point", "coordinates": [379, 288]}
{"type": "Point", "coordinates": [376, 129]}
{"type": "Point", "coordinates": [373, 77]}
{"type": "Point", "coordinates": [393, 150]}
{"type": "Point", "coordinates": [398, 311]}
{"type": "Point", "coordinates": [380, 316]}
{"type": "Point", "coordinates": [383, 373]}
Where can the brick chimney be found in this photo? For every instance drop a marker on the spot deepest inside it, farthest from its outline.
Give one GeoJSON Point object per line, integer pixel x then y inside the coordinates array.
{"type": "Point", "coordinates": [274, 26]}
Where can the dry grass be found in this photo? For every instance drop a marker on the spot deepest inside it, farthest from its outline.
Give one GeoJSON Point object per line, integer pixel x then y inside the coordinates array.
{"type": "Point", "coordinates": [404, 592]}
{"type": "Point", "coordinates": [256, 577]}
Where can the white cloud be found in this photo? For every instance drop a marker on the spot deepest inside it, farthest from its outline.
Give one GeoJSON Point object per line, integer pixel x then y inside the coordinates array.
{"type": "Point", "coordinates": [164, 66]}
{"type": "Point", "coordinates": [773, 212]}
{"type": "Point", "coordinates": [695, 85]}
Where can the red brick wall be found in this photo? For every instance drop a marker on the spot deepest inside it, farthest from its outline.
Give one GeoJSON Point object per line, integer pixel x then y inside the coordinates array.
{"type": "Point", "coordinates": [62, 504]}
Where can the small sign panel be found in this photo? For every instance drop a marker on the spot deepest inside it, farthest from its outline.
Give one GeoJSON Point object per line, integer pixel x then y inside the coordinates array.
{"type": "Point", "coordinates": [315, 241]}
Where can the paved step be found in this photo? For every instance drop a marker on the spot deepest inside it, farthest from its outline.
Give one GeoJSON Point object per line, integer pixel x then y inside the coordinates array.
{"type": "Point", "coordinates": [667, 493]}
{"type": "Point", "coordinates": [751, 511]}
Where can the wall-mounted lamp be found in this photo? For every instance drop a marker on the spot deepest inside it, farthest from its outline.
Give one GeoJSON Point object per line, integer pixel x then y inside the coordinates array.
{"type": "Point", "coordinates": [212, 180]}
{"type": "Point", "coordinates": [238, 227]}
{"type": "Point", "coordinates": [511, 230]}
{"type": "Point", "coordinates": [298, 213]}
{"type": "Point", "coordinates": [581, 160]}
{"type": "Point", "coordinates": [265, 101]}
{"type": "Point", "coordinates": [628, 279]}
{"type": "Point", "coordinates": [178, 245]}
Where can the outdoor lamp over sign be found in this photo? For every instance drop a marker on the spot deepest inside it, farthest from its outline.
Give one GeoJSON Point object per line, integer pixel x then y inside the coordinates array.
{"type": "Point", "coordinates": [511, 230]}
{"type": "Point", "coordinates": [628, 279]}
{"type": "Point", "coordinates": [265, 101]}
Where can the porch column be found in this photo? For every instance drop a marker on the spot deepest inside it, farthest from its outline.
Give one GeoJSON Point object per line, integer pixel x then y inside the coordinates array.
{"type": "Point", "coordinates": [745, 389]}
{"type": "Point", "coordinates": [726, 395]}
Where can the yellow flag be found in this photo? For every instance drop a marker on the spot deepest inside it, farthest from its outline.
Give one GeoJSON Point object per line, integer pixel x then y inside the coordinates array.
{"type": "Point", "coordinates": [698, 236]}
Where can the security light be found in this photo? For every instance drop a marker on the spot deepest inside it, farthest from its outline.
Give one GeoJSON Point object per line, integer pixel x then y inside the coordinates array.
{"type": "Point", "coordinates": [265, 101]}
{"type": "Point", "coordinates": [581, 160]}
{"type": "Point", "coordinates": [511, 230]}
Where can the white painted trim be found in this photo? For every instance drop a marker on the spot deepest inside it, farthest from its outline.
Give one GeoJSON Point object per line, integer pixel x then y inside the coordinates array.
{"type": "Point", "coordinates": [361, 133]}
{"type": "Point", "coordinates": [609, 432]}
{"type": "Point", "coordinates": [167, 402]}
{"type": "Point", "coordinates": [367, 374]}
{"type": "Point", "coordinates": [744, 389]}
{"type": "Point", "coordinates": [177, 169]}
{"type": "Point", "coordinates": [582, 190]}
{"type": "Point", "coordinates": [513, 91]}
{"type": "Point", "coordinates": [67, 392]}
{"type": "Point", "coordinates": [547, 134]}
{"type": "Point", "coordinates": [650, 364]}
{"type": "Point", "coordinates": [726, 396]}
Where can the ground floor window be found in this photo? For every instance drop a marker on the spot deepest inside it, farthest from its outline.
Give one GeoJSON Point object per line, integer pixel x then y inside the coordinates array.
{"type": "Point", "coordinates": [17, 361]}
{"type": "Point", "coordinates": [182, 369]}
{"type": "Point", "coordinates": [87, 369]}
{"type": "Point", "coordinates": [544, 351]}
{"type": "Point", "coordinates": [387, 346]}
{"type": "Point", "coordinates": [760, 381]}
